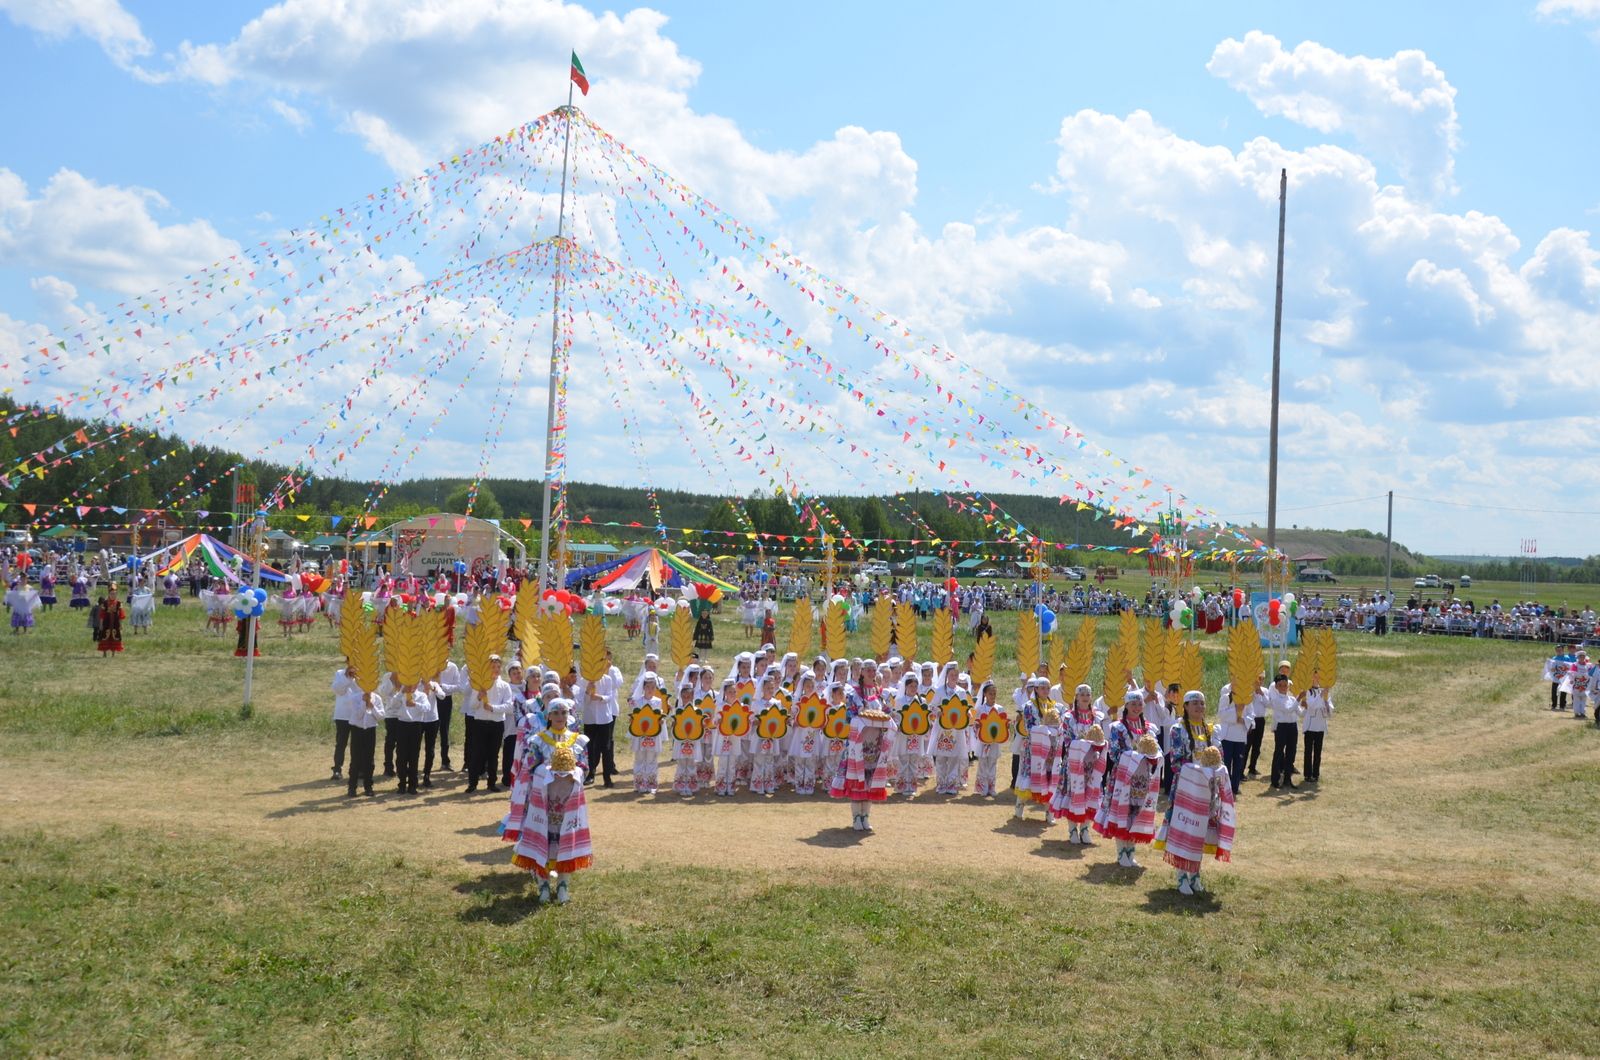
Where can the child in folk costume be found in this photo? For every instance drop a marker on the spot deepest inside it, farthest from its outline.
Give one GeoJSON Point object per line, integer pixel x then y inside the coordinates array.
{"type": "Point", "coordinates": [47, 588]}
{"type": "Point", "coordinates": [913, 734]}
{"type": "Point", "coordinates": [689, 726]}
{"type": "Point", "coordinates": [1201, 821]}
{"type": "Point", "coordinates": [728, 743]}
{"type": "Point", "coordinates": [866, 770]}
{"type": "Point", "coordinates": [837, 713]}
{"type": "Point", "coordinates": [1026, 699]}
{"type": "Point", "coordinates": [952, 734]}
{"type": "Point", "coordinates": [1128, 812]}
{"type": "Point", "coordinates": [1078, 795]}
{"type": "Point", "coordinates": [645, 733]}
{"type": "Point", "coordinates": [1038, 784]}
{"type": "Point", "coordinates": [553, 841]}
{"type": "Point", "coordinates": [806, 741]}
{"type": "Point", "coordinates": [1189, 734]}
{"type": "Point", "coordinates": [768, 738]}
{"type": "Point", "coordinates": [993, 727]}
{"type": "Point", "coordinates": [1127, 730]}
{"type": "Point", "coordinates": [705, 698]}
{"type": "Point", "coordinates": [80, 591]}
{"type": "Point", "coordinates": [537, 750]}
{"type": "Point", "coordinates": [170, 597]}
{"type": "Point", "coordinates": [1082, 715]}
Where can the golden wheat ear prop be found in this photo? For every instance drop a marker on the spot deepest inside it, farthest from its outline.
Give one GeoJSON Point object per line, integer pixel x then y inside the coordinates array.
{"type": "Point", "coordinates": [592, 661]}
{"type": "Point", "coordinates": [983, 659]}
{"type": "Point", "coordinates": [882, 627]}
{"type": "Point", "coordinates": [905, 629]}
{"type": "Point", "coordinates": [800, 630]}
{"type": "Point", "coordinates": [358, 638]}
{"type": "Point", "coordinates": [943, 648]}
{"type": "Point", "coordinates": [525, 624]}
{"type": "Point", "coordinates": [1027, 642]}
{"type": "Point", "coordinates": [1080, 656]}
{"type": "Point", "coordinates": [682, 637]}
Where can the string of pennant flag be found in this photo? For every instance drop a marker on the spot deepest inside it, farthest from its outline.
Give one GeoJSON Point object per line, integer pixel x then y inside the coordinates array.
{"type": "Point", "coordinates": [418, 314]}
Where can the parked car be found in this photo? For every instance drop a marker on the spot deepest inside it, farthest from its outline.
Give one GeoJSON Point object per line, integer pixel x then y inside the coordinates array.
{"type": "Point", "coordinates": [1315, 574]}
{"type": "Point", "coordinates": [989, 572]}
{"type": "Point", "coordinates": [875, 569]}
{"type": "Point", "coordinates": [1428, 581]}
{"type": "Point", "coordinates": [1465, 581]}
{"type": "Point", "coordinates": [1076, 574]}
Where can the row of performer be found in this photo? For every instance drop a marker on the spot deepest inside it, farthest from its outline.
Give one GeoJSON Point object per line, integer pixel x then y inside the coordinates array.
{"type": "Point", "coordinates": [858, 730]}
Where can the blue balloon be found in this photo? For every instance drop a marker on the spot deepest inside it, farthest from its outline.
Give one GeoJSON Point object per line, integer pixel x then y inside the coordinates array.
{"type": "Point", "coordinates": [240, 614]}
{"type": "Point", "coordinates": [259, 594]}
{"type": "Point", "coordinates": [461, 567]}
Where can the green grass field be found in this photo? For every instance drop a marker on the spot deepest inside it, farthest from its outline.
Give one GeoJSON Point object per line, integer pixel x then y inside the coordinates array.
{"type": "Point", "coordinates": [179, 880]}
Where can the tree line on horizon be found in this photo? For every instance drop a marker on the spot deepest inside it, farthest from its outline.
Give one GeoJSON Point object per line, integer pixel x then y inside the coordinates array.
{"type": "Point", "coordinates": [139, 469]}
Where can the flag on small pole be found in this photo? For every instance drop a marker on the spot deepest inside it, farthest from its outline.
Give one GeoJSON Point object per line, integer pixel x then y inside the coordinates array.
{"type": "Point", "coordinates": [578, 76]}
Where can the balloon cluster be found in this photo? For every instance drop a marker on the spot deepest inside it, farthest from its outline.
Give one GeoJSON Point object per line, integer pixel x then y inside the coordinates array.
{"type": "Point", "coordinates": [1181, 614]}
{"type": "Point", "coordinates": [559, 601]}
{"type": "Point", "coordinates": [664, 606]}
{"type": "Point", "coordinates": [1279, 608]}
{"type": "Point", "coordinates": [1047, 618]}
{"type": "Point", "coordinates": [611, 606]}
{"type": "Point", "coordinates": [248, 602]}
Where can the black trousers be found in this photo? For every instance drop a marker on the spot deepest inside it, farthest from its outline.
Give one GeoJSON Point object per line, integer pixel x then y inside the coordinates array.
{"type": "Point", "coordinates": [483, 738]}
{"type": "Point", "coordinates": [441, 730]}
{"type": "Point", "coordinates": [1252, 742]}
{"type": "Point", "coordinates": [508, 750]}
{"type": "Point", "coordinates": [388, 747]}
{"type": "Point", "coordinates": [602, 755]}
{"type": "Point", "coordinates": [1380, 625]}
{"type": "Point", "coordinates": [1285, 742]}
{"type": "Point", "coordinates": [341, 737]}
{"type": "Point", "coordinates": [407, 746]}
{"type": "Point", "coordinates": [1555, 690]}
{"type": "Point", "coordinates": [1233, 758]}
{"type": "Point", "coordinates": [1016, 764]}
{"type": "Point", "coordinates": [1314, 755]}
{"type": "Point", "coordinates": [363, 747]}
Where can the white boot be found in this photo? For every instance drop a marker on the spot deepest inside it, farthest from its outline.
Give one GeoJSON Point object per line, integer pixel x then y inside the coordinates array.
{"type": "Point", "coordinates": [1016, 811]}
{"type": "Point", "coordinates": [855, 821]}
{"type": "Point", "coordinates": [1122, 855]}
{"type": "Point", "coordinates": [866, 823]}
{"type": "Point", "coordinates": [1183, 884]}
{"type": "Point", "coordinates": [1194, 881]}
{"type": "Point", "coordinates": [1132, 864]}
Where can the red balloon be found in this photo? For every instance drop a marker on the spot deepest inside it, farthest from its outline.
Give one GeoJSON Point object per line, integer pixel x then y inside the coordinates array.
{"type": "Point", "coordinates": [550, 594]}
{"type": "Point", "coordinates": [951, 584]}
{"type": "Point", "coordinates": [1238, 598]}
{"type": "Point", "coordinates": [576, 606]}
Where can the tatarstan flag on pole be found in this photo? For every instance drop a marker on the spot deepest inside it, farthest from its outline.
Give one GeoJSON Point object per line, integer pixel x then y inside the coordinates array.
{"type": "Point", "coordinates": [578, 76]}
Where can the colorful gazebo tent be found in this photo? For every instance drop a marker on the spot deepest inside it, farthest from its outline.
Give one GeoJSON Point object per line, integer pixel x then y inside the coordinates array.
{"type": "Point", "coordinates": [220, 559]}
{"type": "Point", "coordinates": [658, 569]}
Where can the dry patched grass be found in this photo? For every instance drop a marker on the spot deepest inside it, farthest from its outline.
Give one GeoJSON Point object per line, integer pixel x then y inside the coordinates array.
{"type": "Point", "coordinates": [195, 881]}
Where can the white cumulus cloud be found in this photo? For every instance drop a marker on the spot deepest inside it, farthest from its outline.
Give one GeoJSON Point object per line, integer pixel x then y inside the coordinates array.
{"type": "Point", "coordinates": [106, 22]}
{"type": "Point", "coordinates": [1401, 110]}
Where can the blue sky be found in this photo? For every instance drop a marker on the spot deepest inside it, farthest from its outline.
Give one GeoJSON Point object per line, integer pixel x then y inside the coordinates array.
{"type": "Point", "coordinates": [1443, 292]}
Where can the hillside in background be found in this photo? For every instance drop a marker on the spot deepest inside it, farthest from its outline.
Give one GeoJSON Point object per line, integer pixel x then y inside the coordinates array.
{"type": "Point", "coordinates": [97, 464]}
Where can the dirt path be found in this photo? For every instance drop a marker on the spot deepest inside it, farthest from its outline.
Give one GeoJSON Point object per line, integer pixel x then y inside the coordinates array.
{"type": "Point", "coordinates": [1357, 823]}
